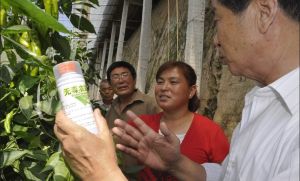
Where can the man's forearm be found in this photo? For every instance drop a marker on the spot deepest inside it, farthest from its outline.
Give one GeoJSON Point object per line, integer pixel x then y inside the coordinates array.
{"type": "Point", "coordinates": [185, 169]}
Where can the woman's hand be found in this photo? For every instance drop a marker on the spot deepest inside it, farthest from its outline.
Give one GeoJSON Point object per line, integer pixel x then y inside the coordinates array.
{"type": "Point", "coordinates": [154, 150]}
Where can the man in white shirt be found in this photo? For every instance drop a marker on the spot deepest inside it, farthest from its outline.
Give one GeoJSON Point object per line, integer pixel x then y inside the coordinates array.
{"type": "Point", "coordinates": [258, 39]}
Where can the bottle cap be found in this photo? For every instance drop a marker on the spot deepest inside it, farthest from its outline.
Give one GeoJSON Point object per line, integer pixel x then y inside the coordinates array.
{"type": "Point", "coordinates": [66, 67]}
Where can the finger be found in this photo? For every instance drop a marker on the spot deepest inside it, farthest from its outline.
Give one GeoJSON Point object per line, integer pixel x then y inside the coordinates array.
{"type": "Point", "coordinates": [124, 138]}
{"type": "Point", "coordinates": [169, 135]}
{"type": "Point", "coordinates": [101, 123]}
{"type": "Point", "coordinates": [65, 124]}
{"type": "Point", "coordinates": [128, 150]}
{"type": "Point", "coordinates": [139, 123]}
{"type": "Point", "coordinates": [58, 133]}
{"type": "Point", "coordinates": [130, 130]}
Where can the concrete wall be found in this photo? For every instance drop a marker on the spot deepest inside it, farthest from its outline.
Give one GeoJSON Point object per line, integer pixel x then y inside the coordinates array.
{"type": "Point", "coordinates": [159, 43]}
{"type": "Point", "coordinates": [222, 95]}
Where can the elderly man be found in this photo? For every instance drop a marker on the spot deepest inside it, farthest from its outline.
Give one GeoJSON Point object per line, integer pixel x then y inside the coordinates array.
{"type": "Point", "coordinates": [258, 39]}
{"type": "Point", "coordinates": [107, 96]}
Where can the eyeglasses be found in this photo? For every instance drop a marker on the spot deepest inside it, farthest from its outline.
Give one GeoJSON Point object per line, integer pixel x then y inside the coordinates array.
{"type": "Point", "coordinates": [118, 76]}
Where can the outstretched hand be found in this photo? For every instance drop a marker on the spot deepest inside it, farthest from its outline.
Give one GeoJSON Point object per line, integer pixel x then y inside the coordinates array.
{"type": "Point", "coordinates": [91, 157]}
{"type": "Point", "coordinates": [154, 150]}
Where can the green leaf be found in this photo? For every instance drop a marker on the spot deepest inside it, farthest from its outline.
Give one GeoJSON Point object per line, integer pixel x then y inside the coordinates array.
{"type": "Point", "coordinates": [85, 67]}
{"type": "Point", "coordinates": [21, 50]}
{"type": "Point", "coordinates": [14, 92]}
{"type": "Point", "coordinates": [26, 106]}
{"type": "Point", "coordinates": [61, 171]}
{"type": "Point", "coordinates": [50, 107]}
{"type": "Point", "coordinates": [15, 29]}
{"type": "Point", "coordinates": [84, 4]}
{"type": "Point", "coordinates": [30, 134]}
{"type": "Point", "coordinates": [11, 146]}
{"type": "Point", "coordinates": [43, 34]}
{"type": "Point", "coordinates": [32, 171]}
{"type": "Point", "coordinates": [82, 11]}
{"type": "Point", "coordinates": [23, 132]}
{"type": "Point", "coordinates": [82, 23]}
{"type": "Point", "coordinates": [49, 177]}
{"type": "Point", "coordinates": [61, 44]}
{"type": "Point", "coordinates": [52, 162]}
{"type": "Point", "coordinates": [66, 6]}
{"type": "Point", "coordinates": [12, 58]}
{"type": "Point", "coordinates": [8, 157]}
{"type": "Point", "coordinates": [35, 142]}
{"type": "Point", "coordinates": [20, 119]}
{"type": "Point", "coordinates": [16, 166]}
{"type": "Point", "coordinates": [94, 2]}
{"type": "Point", "coordinates": [19, 128]}
{"type": "Point", "coordinates": [6, 74]}
{"type": "Point", "coordinates": [37, 14]}
{"type": "Point", "coordinates": [40, 155]}
{"type": "Point", "coordinates": [29, 175]}
{"type": "Point", "coordinates": [26, 83]}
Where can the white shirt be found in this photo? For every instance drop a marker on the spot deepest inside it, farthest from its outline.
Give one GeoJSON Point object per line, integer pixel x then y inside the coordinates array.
{"type": "Point", "coordinates": [265, 144]}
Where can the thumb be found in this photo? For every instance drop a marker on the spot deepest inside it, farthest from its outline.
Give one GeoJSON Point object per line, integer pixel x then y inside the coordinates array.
{"type": "Point", "coordinates": [169, 135]}
{"type": "Point", "coordinates": [101, 124]}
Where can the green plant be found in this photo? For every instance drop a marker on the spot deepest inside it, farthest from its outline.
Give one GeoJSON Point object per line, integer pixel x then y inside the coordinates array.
{"type": "Point", "coordinates": [31, 43]}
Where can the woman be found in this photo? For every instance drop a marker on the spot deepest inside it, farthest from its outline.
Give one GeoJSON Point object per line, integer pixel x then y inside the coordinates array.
{"type": "Point", "coordinates": [201, 139]}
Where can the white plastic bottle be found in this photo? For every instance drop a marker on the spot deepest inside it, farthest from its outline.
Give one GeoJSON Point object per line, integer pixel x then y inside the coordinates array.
{"type": "Point", "coordinates": [73, 94]}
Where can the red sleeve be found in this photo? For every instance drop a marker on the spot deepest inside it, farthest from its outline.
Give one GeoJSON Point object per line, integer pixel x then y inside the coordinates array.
{"type": "Point", "coordinates": [219, 146]}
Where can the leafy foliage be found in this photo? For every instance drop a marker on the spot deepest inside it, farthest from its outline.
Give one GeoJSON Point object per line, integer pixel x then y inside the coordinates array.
{"type": "Point", "coordinates": [30, 45]}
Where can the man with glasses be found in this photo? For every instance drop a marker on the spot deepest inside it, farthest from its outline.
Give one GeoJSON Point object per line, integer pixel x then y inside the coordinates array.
{"type": "Point", "coordinates": [122, 77]}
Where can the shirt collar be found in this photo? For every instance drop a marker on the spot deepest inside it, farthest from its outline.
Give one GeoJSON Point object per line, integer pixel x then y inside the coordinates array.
{"type": "Point", "coordinates": [287, 88]}
{"type": "Point", "coordinates": [136, 96]}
